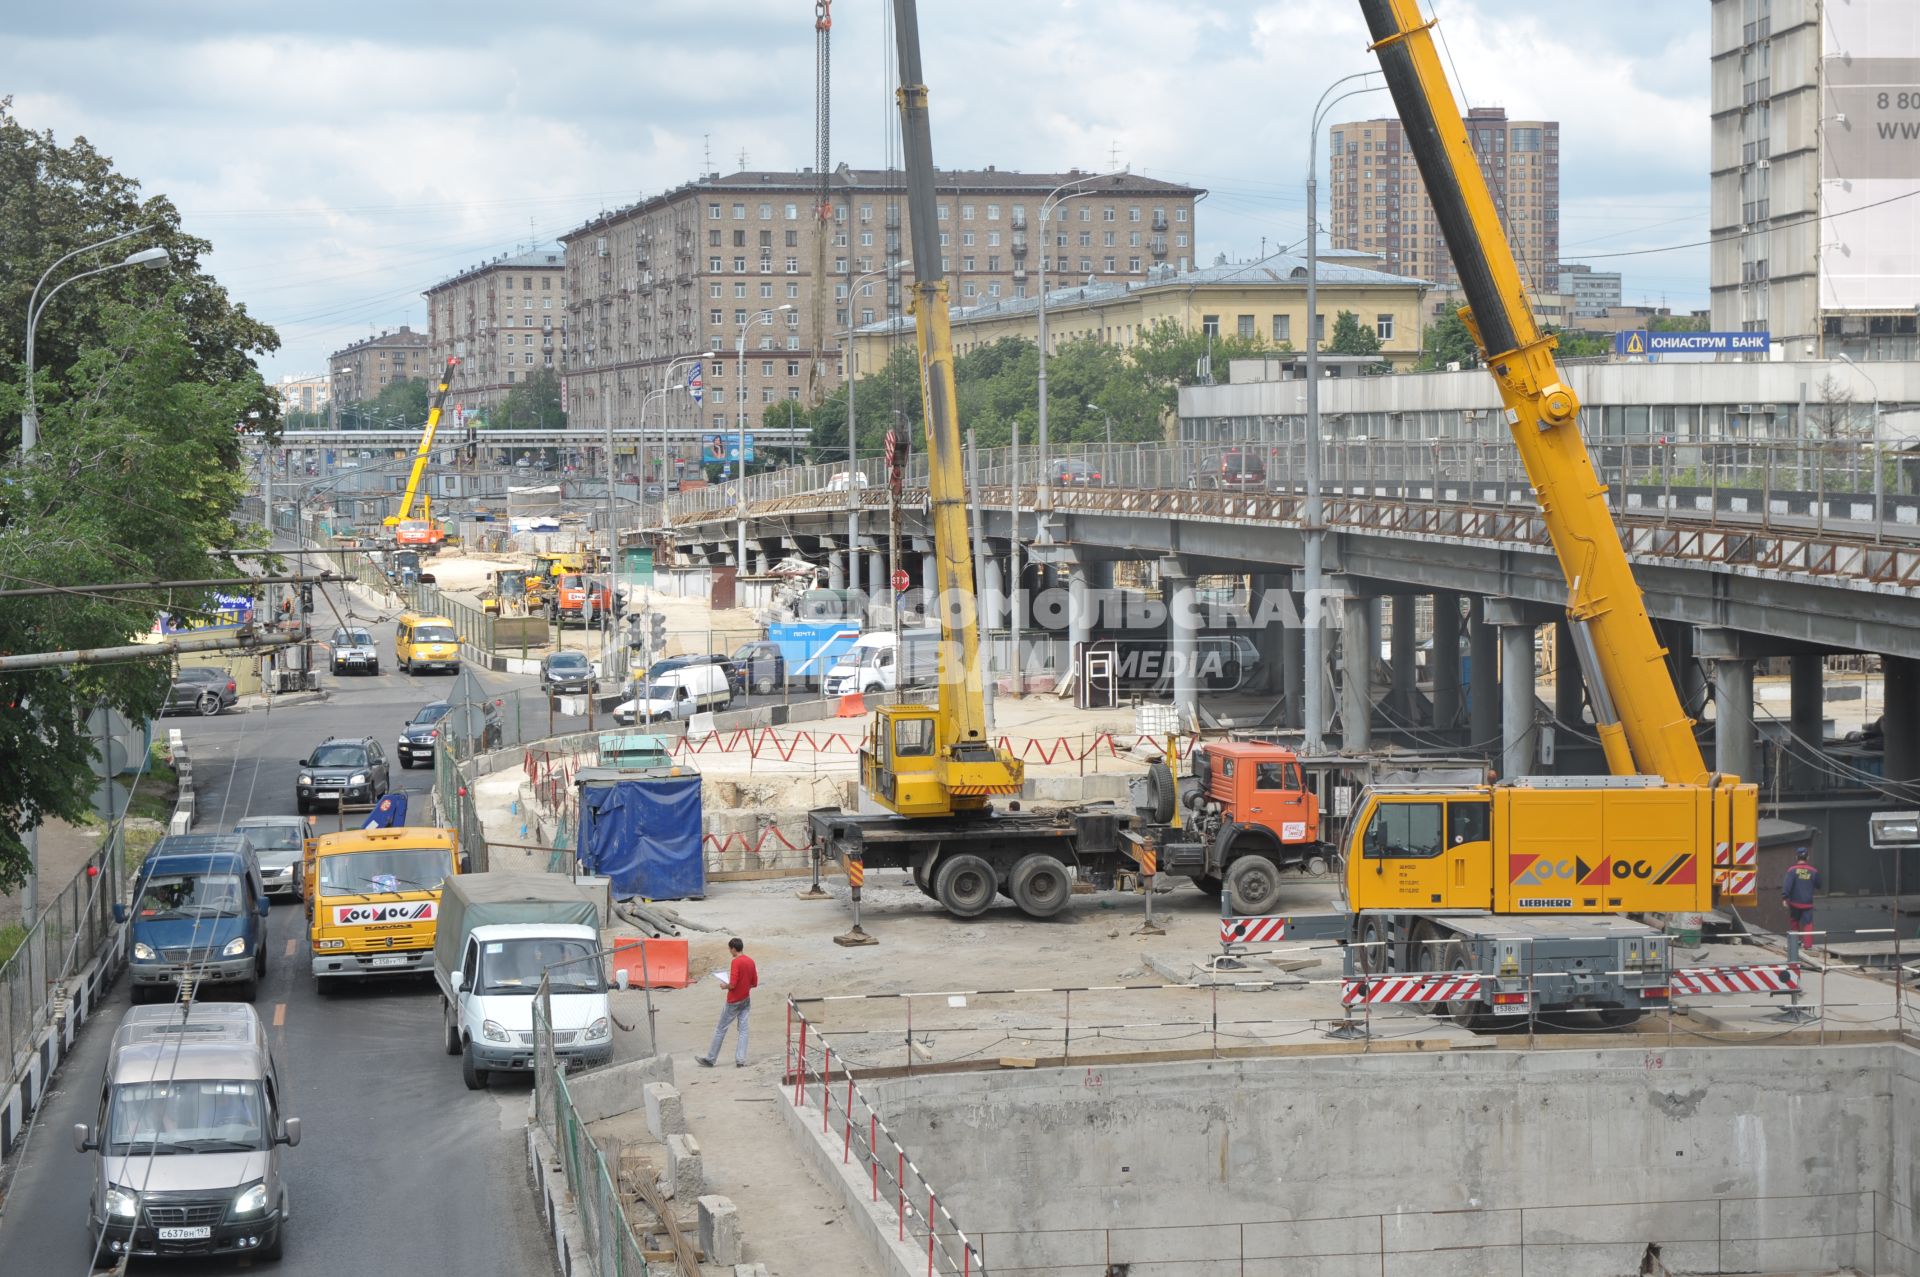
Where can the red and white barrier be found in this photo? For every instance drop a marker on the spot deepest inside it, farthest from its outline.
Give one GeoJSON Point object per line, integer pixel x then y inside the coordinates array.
{"type": "Point", "coordinates": [1774, 978]}
{"type": "Point", "coordinates": [1257, 930]}
{"type": "Point", "coordinates": [1408, 989]}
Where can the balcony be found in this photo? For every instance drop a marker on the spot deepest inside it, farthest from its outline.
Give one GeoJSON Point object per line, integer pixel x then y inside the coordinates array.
{"type": "Point", "coordinates": [1160, 222]}
{"type": "Point", "coordinates": [1019, 221]}
{"type": "Point", "coordinates": [1019, 246]}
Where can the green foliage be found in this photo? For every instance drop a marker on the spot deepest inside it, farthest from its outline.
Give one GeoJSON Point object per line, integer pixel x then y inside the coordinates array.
{"type": "Point", "coordinates": [1577, 343]}
{"type": "Point", "coordinates": [300, 420]}
{"type": "Point", "coordinates": [1677, 324]}
{"type": "Point", "coordinates": [1351, 337]}
{"type": "Point", "coordinates": [533, 404]}
{"type": "Point", "coordinates": [1448, 341]}
{"type": "Point", "coordinates": [142, 375]}
{"type": "Point", "coordinates": [1167, 357]}
{"type": "Point", "coordinates": [405, 401]}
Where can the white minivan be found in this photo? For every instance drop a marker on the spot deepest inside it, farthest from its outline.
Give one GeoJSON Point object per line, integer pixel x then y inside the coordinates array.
{"type": "Point", "coordinates": [875, 663]}
{"type": "Point", "coordinates": [677, 688]}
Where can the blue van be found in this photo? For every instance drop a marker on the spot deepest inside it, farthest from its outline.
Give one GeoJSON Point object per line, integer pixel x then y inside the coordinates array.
{"type": "Point", "coordinates": [199, 915]}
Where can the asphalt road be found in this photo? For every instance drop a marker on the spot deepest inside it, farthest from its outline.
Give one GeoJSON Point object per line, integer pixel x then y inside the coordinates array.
{"type": "Point", "coordinates": [400, 1168]}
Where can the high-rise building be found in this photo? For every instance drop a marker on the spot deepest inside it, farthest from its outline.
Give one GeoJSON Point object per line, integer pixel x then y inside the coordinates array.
{"type": "Point", "coordinates": [1816, 111]}
{"type": "Point", "coordinates": [505, 319]}
{"type": "Point", "coordinates": [1593, 292]}
{"type": "Point", "coordinates": [1378, 203]}
{"type": "Point", "coordinates": [686, 271]}
{"type": "Point", "coordinates": [303, 392]}
{"type": "Point", "coordinates": [359, 372]}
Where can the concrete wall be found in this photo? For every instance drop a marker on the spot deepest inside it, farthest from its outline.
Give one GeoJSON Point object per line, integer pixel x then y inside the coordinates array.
{"type": "Point", "coordinates": [1607, 1150]}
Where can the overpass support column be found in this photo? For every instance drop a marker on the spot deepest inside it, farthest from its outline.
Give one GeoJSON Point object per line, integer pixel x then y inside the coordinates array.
{"type": "Point", "coordinates": [1569, 691]}
{"type": "Point", "coordinates": [1733, 717]}
{"type": "Point", "coordinates": [1183, 627]}
{"type": "Point", "coordinates": [1900, 683]}
{"type": "Point", "coordinates": [1100, 574]}
{"type": "Point", "coordinates": [1807, 716]}
{"type": "Point", "coordinates": [1267, 607]}
{"type": "Point", "coordinates": [1405, 655]}
{"type": "Point", "coordinates": [1483, 678]}
{"type": "Point", "coordinates": [1293, 663]}
{"type": "Point", "coordinates": [1356, 670]}
{"type": "Point", "coordinates": [993, 614]}
{"type": "Point", "coordinates": [1445, 665]}
{"type": "Point", "coordinates": [1682, 660]}
{"type": "Point", "coordinates": [1079, 616]}
{"type": "Point", "coordinates": [837, 570]}
{"type": "Point", "coordinates": [1517, 696]}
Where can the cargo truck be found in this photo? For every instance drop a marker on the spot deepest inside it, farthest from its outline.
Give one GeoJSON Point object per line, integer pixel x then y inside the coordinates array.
{"type": "Point", "coordinates": [499, 935]}
{"type": "Point", "coordinates": [373, 901]}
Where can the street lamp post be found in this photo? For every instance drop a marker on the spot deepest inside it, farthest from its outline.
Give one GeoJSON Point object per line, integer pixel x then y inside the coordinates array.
{"type": "Point", "coordinates": [29, 440]}
{"type": "Point", "coordinates": [1314, 645]}
{"type": "Point", "coordinates": [1060, 195]}
{"type": "Point", "coordinates": [740, 475]}
{"type": "Point", "coordinates": [892, 272]}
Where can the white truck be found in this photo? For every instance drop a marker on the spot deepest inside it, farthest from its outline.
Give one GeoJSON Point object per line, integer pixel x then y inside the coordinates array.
{"type": "Point", "coordinates": [877, 663]}
{"type": "Point", "coordinates": [499, 933]}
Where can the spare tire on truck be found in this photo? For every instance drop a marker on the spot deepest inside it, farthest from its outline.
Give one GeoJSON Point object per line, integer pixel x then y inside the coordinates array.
{"type": "Point", "coordinates": [1164, 791]}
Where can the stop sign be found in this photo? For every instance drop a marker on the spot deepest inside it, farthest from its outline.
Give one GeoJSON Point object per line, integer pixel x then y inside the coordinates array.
{"type": "Point", "coordinates": [901, 580]}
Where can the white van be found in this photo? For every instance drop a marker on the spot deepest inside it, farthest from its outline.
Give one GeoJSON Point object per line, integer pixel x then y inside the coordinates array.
{"type": "Point", "coordinates": [679, 687]}
{"type": "Point", "coordinates": [873, 665]}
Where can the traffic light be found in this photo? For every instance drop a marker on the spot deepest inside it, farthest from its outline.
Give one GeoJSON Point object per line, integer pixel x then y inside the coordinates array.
{"type": "Point", "coordinates": [306, 598]}
{"type": "Point", "coordinates": [657, 631]}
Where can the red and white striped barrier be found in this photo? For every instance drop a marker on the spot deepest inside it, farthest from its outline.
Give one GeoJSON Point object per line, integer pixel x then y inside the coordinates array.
{"type": "Point", "coordinates": [1777, 978]}
{"type": "Point", "coordinates": [1260, 930]}
{"type": "Point", "coordinates": [1746, 854]}
{"type": "Point", "coordinates": [1407, 989]}
{"type": "Point", "coordinates": [1739, 882]}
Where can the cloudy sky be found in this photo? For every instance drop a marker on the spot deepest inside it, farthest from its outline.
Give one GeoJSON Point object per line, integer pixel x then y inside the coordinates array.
{"type": "Point", "coordinates": [343, 156]}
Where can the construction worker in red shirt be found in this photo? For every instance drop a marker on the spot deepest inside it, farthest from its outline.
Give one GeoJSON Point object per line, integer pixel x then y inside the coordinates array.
{"type": "Point", "coordinates": [1796, 893]}
{"type": "Point", "coordinates": [741, 979]}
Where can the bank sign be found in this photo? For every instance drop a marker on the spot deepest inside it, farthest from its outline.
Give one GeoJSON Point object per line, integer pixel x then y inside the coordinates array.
{"type": "Point", "coordinates": [1645, 343]}
{"type": "Point", "coordinates": [231, 611]}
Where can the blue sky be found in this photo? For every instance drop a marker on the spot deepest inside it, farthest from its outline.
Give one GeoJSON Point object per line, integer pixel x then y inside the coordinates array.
{"type": "Point", "coordinates": [344, 156]}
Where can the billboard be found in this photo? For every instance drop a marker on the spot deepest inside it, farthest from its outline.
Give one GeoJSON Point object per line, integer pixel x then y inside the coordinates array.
{"type": "Point", "coordinates": [1870, 156]}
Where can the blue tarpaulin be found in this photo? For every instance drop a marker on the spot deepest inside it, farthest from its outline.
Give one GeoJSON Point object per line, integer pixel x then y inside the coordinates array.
{"type": "Point", "coordinates": [390, 812]}
{"type": "Point", "coordinates": [644, 834]}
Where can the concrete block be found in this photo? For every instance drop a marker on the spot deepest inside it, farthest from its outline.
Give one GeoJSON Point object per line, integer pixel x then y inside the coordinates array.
{"type": "Point", "coordinates": [665, 1116]}
{"type": "Point", "coordinates": [609, 1092]}
{"type": "Point", "coordinates": [719, 1230]}
{"type": "Point", "coordinates": [684, 1180]}
{"type": "Point", "coordinates": [749, 1270]}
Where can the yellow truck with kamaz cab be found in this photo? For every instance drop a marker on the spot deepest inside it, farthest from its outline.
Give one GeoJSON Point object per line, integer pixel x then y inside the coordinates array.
{"type": "Point", "coordinates": [373, 901]}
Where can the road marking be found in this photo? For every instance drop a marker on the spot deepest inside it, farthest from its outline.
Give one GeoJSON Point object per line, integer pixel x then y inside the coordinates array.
{"type": "Point", "coordinates": [279, 1014]}
{"type": "Point", "coordinates": [289, 946]}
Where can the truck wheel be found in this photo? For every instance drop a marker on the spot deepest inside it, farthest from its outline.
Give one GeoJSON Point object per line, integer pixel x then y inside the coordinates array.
{"type": "Point", "coordinates": [1468, 1013]}
{"type": "Point", "coordinates": [922, 878]}
{"type": "Point", "coordinates": [1208, 884]}
{"type": "Point", "coordinates": [1253, 885]}
{"type": "Point", "coordinates": [473, 1076]}
{"type": "Point", "coordinates": [1315, 864]}
{"type": "Point", "coordinates": [1040, 885]}
{"type": "Point", "coordinates": [452, 1031]}
{"type": "Point", "coordinates": [1160, 784]}
{"type": "Point", "coordinates": [965, 885]}
{"type": "Point", "coordinates": [1375, 955]}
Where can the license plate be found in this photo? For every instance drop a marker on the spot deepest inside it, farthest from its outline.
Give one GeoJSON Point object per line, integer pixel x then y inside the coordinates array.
{"type": "Point", "coordinates": [328, 793]}
{"type": "Point", "coordinates": [199, 1234]}
{"type": "Point", "coordinates": [390, 960]}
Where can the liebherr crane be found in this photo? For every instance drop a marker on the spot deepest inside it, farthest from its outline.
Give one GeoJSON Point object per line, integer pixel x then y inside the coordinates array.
{"type": "Point", "coordinates": [423, 534]}
{"type": "Point", "coordinates": [933, 766]}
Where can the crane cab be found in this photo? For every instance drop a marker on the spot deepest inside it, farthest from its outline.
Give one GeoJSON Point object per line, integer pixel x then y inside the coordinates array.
{"type": "Point", "coordinates": [911, 768]}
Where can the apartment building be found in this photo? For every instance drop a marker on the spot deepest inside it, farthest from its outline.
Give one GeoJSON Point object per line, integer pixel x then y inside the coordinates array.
{"type": "Point", "coordinates": [362, 370]}
{"type": "Point", "coordinates": [303, 392]}
{"type": "Point", "coordinates": [1594, 292]}
{"type": "Point", "coordinates": [1377, 202]}
{"type": "Point", "coordinates": [505, 319]}
{"type": "Point", "coordinates": [690, 270]}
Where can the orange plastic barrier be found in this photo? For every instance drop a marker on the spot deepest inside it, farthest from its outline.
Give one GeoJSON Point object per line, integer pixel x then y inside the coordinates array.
{"type": "Point", "coordinates": [852, 705]}
{"type": "Point", "coordinates": [660, 963]}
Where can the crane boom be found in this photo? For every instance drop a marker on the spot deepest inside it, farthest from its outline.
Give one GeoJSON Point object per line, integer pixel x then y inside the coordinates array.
{"type": "Point", "coordinates": [1642, 725]}
{"type": "Point", "coordinates": [426, 444]}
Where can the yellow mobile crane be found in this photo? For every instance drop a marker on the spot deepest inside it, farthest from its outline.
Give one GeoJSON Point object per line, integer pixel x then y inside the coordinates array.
{"type": "Point", "coordinates": [422, 533]}
{"type": "Point", "coordinates": [933, 766]}
{"type": "Point", "coordinates": [1520, 889]}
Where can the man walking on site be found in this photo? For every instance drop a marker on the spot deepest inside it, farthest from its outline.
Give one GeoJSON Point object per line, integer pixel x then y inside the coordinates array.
{"type": "Point", "coordinates": [740, 980]}
{"type": "Point", "coordinates": [1796, 893]}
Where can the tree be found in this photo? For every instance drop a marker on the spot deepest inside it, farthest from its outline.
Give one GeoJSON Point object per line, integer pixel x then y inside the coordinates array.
{"type": "Point", "coordinates": [533, 404]}
{"type": "Point", "coordinates": [141, 377]}
{"type": "Point", "coordinates": [1578, 343]}
{"type": "Point", "coordinates": [1448, 342]}
{"type": "Point", "coordinates": [1168, 357]}
{"type": "Point", "coordinates": [405, 401]}
{"type": "Point", "coordinates": [1351, 337]}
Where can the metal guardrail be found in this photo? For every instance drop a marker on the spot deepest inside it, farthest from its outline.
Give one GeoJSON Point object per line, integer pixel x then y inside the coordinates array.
{"type": "Point", "coordinates": [608, 1233]}
{"type": "Point", "coordinates": [73, 927]}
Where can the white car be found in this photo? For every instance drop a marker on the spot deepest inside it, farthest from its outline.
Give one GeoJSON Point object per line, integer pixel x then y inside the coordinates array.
{"type": "Point", "coordinates": [656, 702]}
{"type": "Point", "coordinates": [840, 483]}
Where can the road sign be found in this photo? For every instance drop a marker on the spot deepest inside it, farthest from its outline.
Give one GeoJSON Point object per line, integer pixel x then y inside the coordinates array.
{"type": "Point", "coordinates": [725, 447]}
{"type": "Point", "coordinates": [1641, 342]}
{"type": "Point", "coordinates": [901, 580]}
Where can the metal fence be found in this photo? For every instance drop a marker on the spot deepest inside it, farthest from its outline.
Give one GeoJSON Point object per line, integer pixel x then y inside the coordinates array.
{"type": "Point", "coordinates": [73, 927]}
{"type": "Point", "coordinates": [607, 1232]}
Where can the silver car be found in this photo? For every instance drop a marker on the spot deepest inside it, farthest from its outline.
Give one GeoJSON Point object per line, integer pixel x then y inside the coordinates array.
{"type": "Point", "coordinates": [279, 842]}
{"type": "Point", "coordinates": [188, 1137]}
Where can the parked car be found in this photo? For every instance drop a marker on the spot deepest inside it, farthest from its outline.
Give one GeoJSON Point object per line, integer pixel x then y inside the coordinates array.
{"type": "Point", "coordinates": [278, 844]}
{"type": "Point", "coordinates": [659, 700]}
{"type": "Point", "coordinates": [567, 673]}
{"type": "Point", "coordinates": [1237, 470]}
{"type": "Point", "coordinates": [353, 649]}
{"type": "Point", "coordinates": [343, 774]}
{"type": "Point", "coordinates": [840, 482]}
{"type": "Point", "coordinates": [713, 680]}
{"type": "Point", "coordinates": [1076, 472]}
{"type": "Point", "coordinates": [758, 666]}
{"type": "Point", "coordinates": [422, 732]}
{"type": "Point", "coordinates": [203, 689]}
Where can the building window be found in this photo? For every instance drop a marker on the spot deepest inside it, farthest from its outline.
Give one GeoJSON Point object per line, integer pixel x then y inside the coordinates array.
{"type": "Point", "coordinates": [1180, 241]}
{"type": "Point", "coordinates": [793, 266]}
{"type": "Point", "coordinates": [1246, 326]}
{"type": "Point", "coordinates": [793, 367]}
{"type": "Point", "coordinates": [866, 212]}
{"type": "Point", "coordinates": [739, 265]}
{"type": "Point", "coordinates": [1133, 265]}
{"type": "Point", "coordinates": [713, 212]}
{"type": "Point", "coordinates": [1283, 327]}
{"type": "Point", "coordinates": [966, 289]}
{"type": "Point", "coordinates": [1109, 213]}
{"type": "Point", "coordinates": [1179, 214]}
{"type": "Point", "coordinates": [1108, 264]}
{"type": "Point", "coordinates": [966, 263]}
{"type": "Point", "coordinates": [966, 239]}
{"type": "Point", "coordinates": [1210, 325]}
{"type": "Point", "coordinates": [866, 315]}
{"type": "Point", "coordinates": [713, 264]}
{"type": "Point", "coordinates": [966, 212]}
{"type": "Point", "coordinates": [766, 289]}
{"type": "Point", "coordinates": [766, 367]}
{"type": "Point", "coordinates": [793, 213]}
{"type": "Point", "coordinates": [993, 212]}
{"type": "Point", "coordinates": [1383, 327]}
{"type": "Point", "coordinates": [713, 316]}
{"type": "Point", "coordinates": [1319, 327]}
{"type": "Point", "coordinates": [509, 376]}
{"type": "Point", "coordinates": [739, 212]}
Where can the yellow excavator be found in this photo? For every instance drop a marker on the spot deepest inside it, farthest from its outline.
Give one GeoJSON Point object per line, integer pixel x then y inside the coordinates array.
{"type": "Point", "coordinates": [422, 534]}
